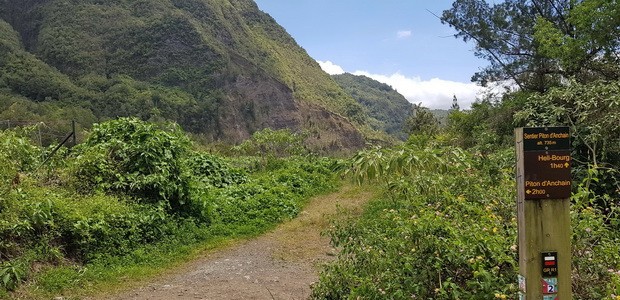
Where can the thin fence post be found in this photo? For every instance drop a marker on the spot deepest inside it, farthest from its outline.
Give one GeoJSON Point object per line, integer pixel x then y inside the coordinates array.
{"type": "Point", "coordinates": [40, 141]}
{"type": "Point", "coordinates": [73, 132]}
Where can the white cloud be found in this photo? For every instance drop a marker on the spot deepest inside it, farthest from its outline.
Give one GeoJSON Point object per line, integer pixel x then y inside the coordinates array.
{"type": "Point", "coordinates": [330, 68]}
{"type": "Point", "coordinates": [403, 34]}
{"type": "Point", "coordinates": [434, 93]}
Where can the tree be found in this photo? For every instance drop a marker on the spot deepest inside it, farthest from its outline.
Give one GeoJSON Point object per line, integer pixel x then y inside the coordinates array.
{"type": "Point", "coordinates": [590, 48]}
{"type": "Point", "coordinates": [421, 121]}
{"type": "Point", "coordinates": [572, 37]}
{"type": "Point", "coordinates": [455, 104]}
{"type": "Point", "coordinates": [504, 36]}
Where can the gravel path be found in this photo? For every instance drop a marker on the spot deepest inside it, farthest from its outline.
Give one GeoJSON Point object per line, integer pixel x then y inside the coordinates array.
{"type": "Point", "coordinates": [281, 264]}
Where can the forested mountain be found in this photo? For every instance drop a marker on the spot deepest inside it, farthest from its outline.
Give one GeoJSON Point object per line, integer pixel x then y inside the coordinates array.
{"type": "Point", "coordinates": [220, 68]}
{"type": "Point", "coordinates": [387, 108]}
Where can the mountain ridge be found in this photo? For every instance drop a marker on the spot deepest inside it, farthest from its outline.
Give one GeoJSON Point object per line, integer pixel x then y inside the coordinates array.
{"type": "Point", "coordinates": [387, 109]}
{"type": "Point", "coordinates": [220, 68]}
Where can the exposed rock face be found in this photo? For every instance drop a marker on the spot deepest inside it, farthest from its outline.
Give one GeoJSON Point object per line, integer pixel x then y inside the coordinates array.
{"type": "Point", "coordinates": [255, 102]}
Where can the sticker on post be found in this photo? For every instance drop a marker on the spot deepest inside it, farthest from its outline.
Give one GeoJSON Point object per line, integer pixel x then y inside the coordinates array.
{"type": "Point", "coordinates": [550, 297]}
{"type": "Point", "coordinates": [550, 264]}
{"type": "Point", "coordinates": [521, 283]}
{"type": "Point", "coordinates": [549, 285]}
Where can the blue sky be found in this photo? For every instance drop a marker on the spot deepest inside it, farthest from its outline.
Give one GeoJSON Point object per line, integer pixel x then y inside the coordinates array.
{"type": "Point", "coordinates": [399, 42]}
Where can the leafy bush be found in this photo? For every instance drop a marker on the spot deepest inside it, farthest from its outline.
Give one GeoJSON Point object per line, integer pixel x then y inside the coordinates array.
{"type": "Point", "coordinates": [214, 171]}
{"type": "Point", "coordinates": [17, 154]}
{"type": "Point", "coordinates": [109, 226]}
{"type": "Point", "coordinates": [595, 243]}
{"type": "Point", "coordinates": [593, 113]}
{"type": "Point", "coordinates": [274, 143]}
{"type": "Point", "coordinates": [272, 196]}
{"type": "Point", "coordinates": [11, 274]}
{"type": "Point", "coordinates": [135, 158]}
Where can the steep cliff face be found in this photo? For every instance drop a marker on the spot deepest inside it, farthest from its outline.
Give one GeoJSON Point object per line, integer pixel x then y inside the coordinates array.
{"type": "Point", "coordinates": [259, 102]}
{"type": "Point", "coordinates": [231, 68]}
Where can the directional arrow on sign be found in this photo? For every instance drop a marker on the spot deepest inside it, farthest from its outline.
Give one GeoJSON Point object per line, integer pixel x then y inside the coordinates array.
{"type": "Point", "coordinates": [567, 165]}
{"type": "Point", "coordinates": [528, 192]}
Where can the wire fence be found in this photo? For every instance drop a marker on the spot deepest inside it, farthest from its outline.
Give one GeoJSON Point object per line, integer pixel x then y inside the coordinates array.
{"type": "Point", "coordinates": [45, 133]}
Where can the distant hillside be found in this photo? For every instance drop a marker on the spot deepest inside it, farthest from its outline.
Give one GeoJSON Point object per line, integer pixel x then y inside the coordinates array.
{"type": "Point", "coordinates": [387, 108]}
{"type": "Point", "coordinates": [441, 115]}
{"type": "Point", "coordinates": [220, 68]}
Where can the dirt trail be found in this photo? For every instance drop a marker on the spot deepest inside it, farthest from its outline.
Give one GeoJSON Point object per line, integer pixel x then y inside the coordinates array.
{"type": "Point", "coordinates": [281, 264]}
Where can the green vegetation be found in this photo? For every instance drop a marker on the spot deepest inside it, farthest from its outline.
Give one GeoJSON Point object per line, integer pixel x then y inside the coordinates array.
{"type": "Point", "coordinates": [570, 77]}
{"type": "Point", "coordinates": [570, 39]}
{"type": "Point", "coordinates": [136, 196]}
{"type": "Point", "coordinates": [133, 197]}
{"type": "Point", "coordinates": [269, 143]}
{"type": "Point", "coordinates": [418, 239]}
{"type": "Point", "coordinates": [421, 121]}
{"type": "Point", "coordinates": [444, 226]}
{"type": "Point", "coordinates": [230, 68]}
{"type": "Point", "coordinates": [387, 108]}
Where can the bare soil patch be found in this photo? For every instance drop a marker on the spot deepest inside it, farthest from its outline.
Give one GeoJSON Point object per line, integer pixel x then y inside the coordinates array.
{"type": "Point", "coordinates": [281, 264]}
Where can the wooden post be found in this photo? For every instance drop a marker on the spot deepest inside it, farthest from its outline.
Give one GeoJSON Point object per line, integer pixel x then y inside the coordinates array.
{"type": "Point", "coordinates": [543, 212]}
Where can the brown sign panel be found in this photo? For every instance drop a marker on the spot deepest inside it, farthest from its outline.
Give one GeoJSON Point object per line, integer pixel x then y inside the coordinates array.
{"type": "Point", "coordinates": [546, 138]}
{"type": "Point", "coordinates": [547, 174]}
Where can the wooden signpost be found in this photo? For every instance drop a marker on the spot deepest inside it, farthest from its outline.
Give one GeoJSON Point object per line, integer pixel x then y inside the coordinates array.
{"type": "Point", "coordinates": [543, 212]}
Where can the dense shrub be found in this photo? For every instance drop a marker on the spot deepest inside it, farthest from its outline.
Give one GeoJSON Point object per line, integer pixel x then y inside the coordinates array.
{"type": "Point", "coordinates": [17, 154]}
{"type": "Point", "coordinates": [109, 226]}
{"type": "Point", "coordinates": [274, 195]}
{"type": "Point", "coordinates": [136, 158]}
{"type": "Point", "coordinates": [214, 171]}
{"type": "Point", "coordinates": [274, 143]}
{"type": "Point", "coordinates": [595, 243]}
{"type": "Point", "coordinates": [593, 113]}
